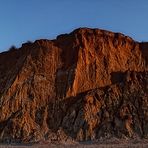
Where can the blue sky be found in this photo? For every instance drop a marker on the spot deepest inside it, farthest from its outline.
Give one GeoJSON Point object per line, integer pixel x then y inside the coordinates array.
{"type": "Point", "coordinates": [23, 20]}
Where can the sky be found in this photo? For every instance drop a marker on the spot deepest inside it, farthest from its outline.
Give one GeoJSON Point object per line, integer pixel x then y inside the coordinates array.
{"type": "Point", "coordinates": [28, 20]}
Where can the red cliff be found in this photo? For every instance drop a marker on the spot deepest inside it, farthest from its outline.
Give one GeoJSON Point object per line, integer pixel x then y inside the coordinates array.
{"type": "Point", "coordinates": [84, 85]}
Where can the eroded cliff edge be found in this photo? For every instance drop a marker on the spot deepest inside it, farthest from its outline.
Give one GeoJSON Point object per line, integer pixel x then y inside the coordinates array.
{"type": "Point", "coordinates": [84, 85]}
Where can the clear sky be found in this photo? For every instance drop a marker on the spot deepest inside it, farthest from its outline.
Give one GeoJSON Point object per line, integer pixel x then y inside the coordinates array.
{"type": "Point", "coordinates": [23, 20]}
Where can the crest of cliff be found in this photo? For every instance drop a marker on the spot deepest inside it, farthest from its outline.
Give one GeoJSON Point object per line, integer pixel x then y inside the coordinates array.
{"type": "Point", "coordinates": [84, 85]}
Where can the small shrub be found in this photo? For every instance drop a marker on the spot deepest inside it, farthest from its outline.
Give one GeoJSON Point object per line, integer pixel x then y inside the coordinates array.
{"type": "Point", "coordinates": [29, 42]}
{"type": "Point", "coordinates": [12, 48]}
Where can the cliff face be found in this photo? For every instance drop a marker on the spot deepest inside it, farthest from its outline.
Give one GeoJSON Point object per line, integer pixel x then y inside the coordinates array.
{"type": "Point", "coordinates": [84, 85]}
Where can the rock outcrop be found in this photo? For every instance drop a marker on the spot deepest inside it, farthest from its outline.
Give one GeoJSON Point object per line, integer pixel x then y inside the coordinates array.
{"type": "Point", "coordinates": [84, 85]}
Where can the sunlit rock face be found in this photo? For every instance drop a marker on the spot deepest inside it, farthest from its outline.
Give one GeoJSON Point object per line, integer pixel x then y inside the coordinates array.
{"type": "Point", "coordinates": [84, 85]}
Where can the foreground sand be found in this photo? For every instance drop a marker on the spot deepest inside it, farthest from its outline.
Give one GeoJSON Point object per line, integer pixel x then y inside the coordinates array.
{"type": "Point", "coordinates": [83, 146]}
{"type": "Point", "coordinates": [112, 143]}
